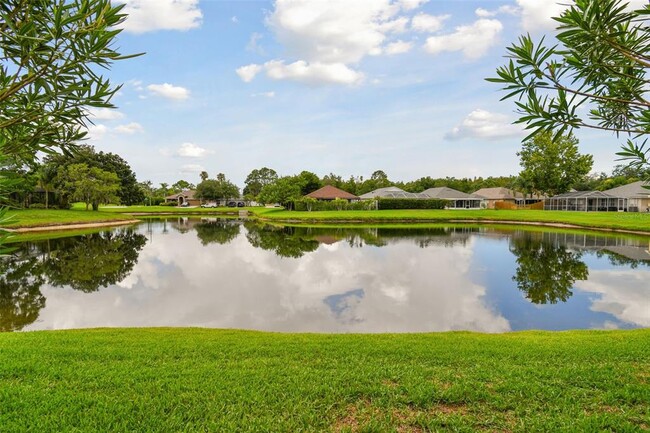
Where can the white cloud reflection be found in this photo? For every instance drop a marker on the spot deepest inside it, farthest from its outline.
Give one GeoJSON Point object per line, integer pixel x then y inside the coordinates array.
{"type": "Point", "coordinates": [337, 288]}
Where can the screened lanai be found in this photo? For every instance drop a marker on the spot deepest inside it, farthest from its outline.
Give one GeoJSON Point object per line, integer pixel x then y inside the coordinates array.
{"type": "Point", "coordinates": [586, 201]}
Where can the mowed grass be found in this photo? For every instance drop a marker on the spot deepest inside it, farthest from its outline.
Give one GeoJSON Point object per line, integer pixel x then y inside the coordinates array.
{"type": "Point", "coordinates": [200, 380]}
{"type": "Point", "coordinates": [52, 217]}
{"type": "Point", "coordinates": [608, 220]}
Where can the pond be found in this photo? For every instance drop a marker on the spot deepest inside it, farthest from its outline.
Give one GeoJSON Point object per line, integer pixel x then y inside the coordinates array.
{"type": "Point", "coordinates": [241, 274]}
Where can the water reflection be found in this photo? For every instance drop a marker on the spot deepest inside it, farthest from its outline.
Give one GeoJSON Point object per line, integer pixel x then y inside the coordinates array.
{"type": "Point", "coordinates": [83, 263]}
{"type": "Point", "coordinates": [545, 272]}
{"type": "Point", "coordinates": [226, 273]}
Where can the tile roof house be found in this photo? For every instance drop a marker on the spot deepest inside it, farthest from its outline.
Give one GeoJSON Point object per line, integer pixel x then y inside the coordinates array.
{"type": "Point", "coordinates": [494, 195]}
{"type": "Point", "coordinates": [182, 197]}
{"type": "Point", "coordinates": [457, 199]}
{"type": "Point", "coordinates": [638, 197]}
{"type": "Point", "coordinates": [586, 201]}
{"type": "Point", "coordinates": [329, 192]}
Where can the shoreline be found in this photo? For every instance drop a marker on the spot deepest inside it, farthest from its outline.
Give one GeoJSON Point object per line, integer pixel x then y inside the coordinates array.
{"type": "Point", "coordinates": [72, 226]}
{"type": "Point", "coordinates": [114, 223]}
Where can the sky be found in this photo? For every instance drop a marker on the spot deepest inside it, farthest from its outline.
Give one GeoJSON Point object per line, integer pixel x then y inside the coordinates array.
{"type": "Point", "coordinates": [342, 86]}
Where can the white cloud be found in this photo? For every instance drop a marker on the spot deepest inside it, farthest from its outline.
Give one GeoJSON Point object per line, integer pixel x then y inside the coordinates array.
{"type": "Point", "coordinates": [408, 5]}
{"type": "Point", "coordinates": [505, 9]}
{"type": "Point", "coordinates": [169, 91]}
{"type": "Point", "coordinates": [130, 128]}
{"type": "Point", "coordinates": [484, 124]}
{"type": "Point", "coordinates": [97, 132]}
{"type": "Point", "coordinates": [191, 168]}
{"type": "Point", "coordinates": [191, 150]}
{"type": "Point", "coordinates": [398, 47]}
{"type": "Point", "coordinates": [428, 23]}
{"type": "Point", "coordinates": [104, 114]}
{"type": "Point", "coordinates": [234, 19]}
{"type": "Point", "coordinates": [264, 94]}
{"type": "Point", "coordinates": [537, 15]}
{"type": "Point", "coordinates": [151, 15]}
{"type": "Point", "coordinates": [313, 73]}
{"type": "Point", "coordinates": [248, 72]}
{"type": "Point", "coordinates": [254, 45]}
{"type": "Point", "coordinates": [325, 38]}
{"type": "Point", "coordinates": [472, 40]}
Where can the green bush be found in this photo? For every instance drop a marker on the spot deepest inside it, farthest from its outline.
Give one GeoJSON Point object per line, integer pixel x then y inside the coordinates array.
{"type": "Point", "coordinates": [171, 203]}
{"type": "Point", "coordinates": [313, 205]}
{"type": "Point", "coordinates": [37, 206]}
{"type": "Point", "coordinates": [411, 203]}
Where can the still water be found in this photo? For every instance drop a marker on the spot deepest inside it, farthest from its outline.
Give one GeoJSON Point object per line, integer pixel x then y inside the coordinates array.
{"type": "Point", "coordinates": [234, 274]}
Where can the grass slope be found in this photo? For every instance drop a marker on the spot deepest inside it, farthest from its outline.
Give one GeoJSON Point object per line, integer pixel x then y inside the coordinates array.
{"type": "Point", "coordinates": [48, 217]}
{"type": "Point", "coordinates": [608, 220]}
{"type": "Point", "coordinates": [197, 380]}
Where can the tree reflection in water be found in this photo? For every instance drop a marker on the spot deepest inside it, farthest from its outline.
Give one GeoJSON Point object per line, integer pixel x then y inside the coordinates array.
{"type": "Point", "coordinates": [83, 263]}
{"type": "Point", "coordinates": [545, 271]}
{"type": "Point", "coordinates": [217, 231]}
{"type": "Point", "coordinates": [283, 241]}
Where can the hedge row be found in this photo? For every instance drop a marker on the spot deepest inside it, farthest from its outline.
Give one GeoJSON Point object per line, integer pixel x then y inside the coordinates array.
{"type": "Point", "coordinates": [411, 203]}
{"type": "Point", "coordinates": [313, 205]}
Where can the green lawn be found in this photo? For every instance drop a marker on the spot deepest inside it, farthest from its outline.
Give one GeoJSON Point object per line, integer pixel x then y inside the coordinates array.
{"type": "Point", "coordinates": [47, 217]}
{"type": "Point", "coordinates": [608, 220]}
{"type": "Point", "coordinates": [199, 380]}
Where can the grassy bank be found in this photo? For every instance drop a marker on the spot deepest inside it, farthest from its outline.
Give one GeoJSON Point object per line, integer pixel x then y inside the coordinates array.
{"type": "Point", "coordinates": [164, 380]}
{"type": "Point", "coordinates": [603, 220]}
{"type": "Point", "coordinates": [47, 217]}
{"type": "Point", "coordinates": [606, 220]}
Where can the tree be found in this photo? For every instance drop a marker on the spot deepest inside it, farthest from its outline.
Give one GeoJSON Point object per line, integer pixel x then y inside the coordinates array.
{"type": "Point", "coordinates": [283, 191]}
{"type": "Point", "coordinates": [51, 53]}
{"type": "Point", "coordinates": [216, 189]}
{"type": "Point", "coordinates": [129, 192]}
{"type": "Point", "coordinates": [89, 184]}
{"type": "Point", "coordinates": [204, 175]}
{"type": "Point", "coordinates": [182, 185]}
{"type": "Point", "coordinates": [45, 175]}
{"type": "Point", "coordinates": [552, 166]}
{"type": "Point", "coordinates": [308, 182]}
{"type": "Point", "coordinates": [257, 179]}
{"type": "Point", "coordinates": [601, 61]}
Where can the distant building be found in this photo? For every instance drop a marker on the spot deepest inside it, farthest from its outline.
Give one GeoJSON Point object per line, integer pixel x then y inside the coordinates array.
{"type": "Point", "coordinates": [183, 197]}
{"type": "Point", "coordinates": [329, 192]}
{"type": "Point", "coordinates": [586, 201]}
{"type": "Point", "coordinates": [493, 195]}
{"type": "Point", "coordinates": [390, 192]}
{"type": "Point", "coordinates": [638, 197]}
{"type": "Point", "coordinates": [457, 199]}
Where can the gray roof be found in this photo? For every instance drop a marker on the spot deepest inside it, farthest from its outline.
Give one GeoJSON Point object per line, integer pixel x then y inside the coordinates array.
{"type": "Point", "coordinates": [585, 194]}
{"type": "Point", "coordinates": [447, 193]}
{"type": "Point", "coordinates": [631, 190]}
{"type": "Point", "coordinates": [498, 193]}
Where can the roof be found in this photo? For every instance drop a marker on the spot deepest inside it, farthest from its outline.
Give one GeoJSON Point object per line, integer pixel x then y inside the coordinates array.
{"type": "Point", "coordinates": [187, 194]}
{"type": "Point", "coordinates": [631, 190]}
{"type": "Point", "coordinates": [329, 192]}
{"type": "Point", "coordinates": [498, 193]}
{"type": "Point", "coordinates": [381, 192]}
{"type": "Point", "coordinates": [447, 193]}
{"type": "Point", "coordinates": [584, 194]}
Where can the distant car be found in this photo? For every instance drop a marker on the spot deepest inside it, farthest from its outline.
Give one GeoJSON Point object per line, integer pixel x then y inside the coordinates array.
{"type": "Point", "coordinates": [232, 204]}
{"type": "Point", "coordinates": [240, 204]}
{"type": "Point", "coordinates": [209, 205]}
{"type": "Point", "coordinates": [185, 204]}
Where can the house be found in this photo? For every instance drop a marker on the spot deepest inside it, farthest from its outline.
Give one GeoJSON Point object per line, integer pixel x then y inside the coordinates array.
{"type": "Point", "coordinates": [390, 192]}
{"type": "Point", "coordinates": [586, 201]}
{"type": "Point", "coordinates": [638, 197]}
{"type": "Point", "coordinates": [183, 197]}
{"type": "Point", "coordinates": [329, 192]}
{"type": "Point", "coordinates": [493, 195]}
{"type": "Point", "coordinates": [457, 199]}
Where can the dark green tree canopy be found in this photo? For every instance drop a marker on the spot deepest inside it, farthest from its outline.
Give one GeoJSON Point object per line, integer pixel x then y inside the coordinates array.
{"type": "Point", "coordinates": [51, 55]}
{"type": "Point", "coordinates": [551, 165]}
{"type": "Point", "coordinates": [601, 61]}
{"type": "Point", "coordinates": [217, 189]}
{"type": "Point", "coordinates": [257, 179]}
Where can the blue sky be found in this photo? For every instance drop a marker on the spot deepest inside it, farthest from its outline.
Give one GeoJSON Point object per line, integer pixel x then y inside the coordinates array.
{"type": "Point", "coordinates": [347, 86]}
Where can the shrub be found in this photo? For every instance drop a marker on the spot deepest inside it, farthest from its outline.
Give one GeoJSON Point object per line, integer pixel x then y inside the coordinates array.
{"type": "Point", "coordinates": [308, 204]}
{"type": "Point", "coordinates": [411, 203]}
{"type": "Point", "coordinates": [171, 204]}
{"type": "Point", "coordinates": [37, 206]}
